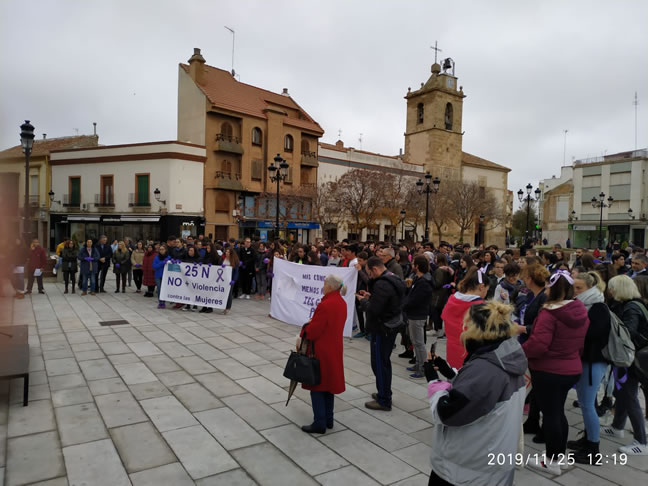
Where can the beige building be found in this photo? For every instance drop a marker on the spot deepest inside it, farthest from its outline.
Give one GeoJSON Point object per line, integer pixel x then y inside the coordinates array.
{"type": "Point", "coordinates": [434, 137]}
{"type": "Point", "coordinates": [12, 181]}
{"type": "Point", "coordinates": [243, 128]}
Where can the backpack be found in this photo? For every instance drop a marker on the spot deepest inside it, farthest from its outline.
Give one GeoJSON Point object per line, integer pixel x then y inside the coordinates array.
{"type": "Point", "coordinates": [620, 349]}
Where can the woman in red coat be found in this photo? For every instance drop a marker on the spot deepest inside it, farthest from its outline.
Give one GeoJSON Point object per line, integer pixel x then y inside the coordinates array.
{"type": "Point", "coordinates": [148, 274]}
{"type": "Point", "coordinates": [325, 331]}
{"type": "Point", "coordinates": [471, 290]}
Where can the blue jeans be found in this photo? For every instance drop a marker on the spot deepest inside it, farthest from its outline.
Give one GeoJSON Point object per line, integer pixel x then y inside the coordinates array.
{"type": "Point", "coordinates": [381, 349]}
{"type": "Point", "coordinates": [587, 397]}
{"type": "Point", "coordinates": [158, 287]}
{"type": "Point", "coordinates": [322, 409]}
{"type": "Point", "coordinates": [93, 281]}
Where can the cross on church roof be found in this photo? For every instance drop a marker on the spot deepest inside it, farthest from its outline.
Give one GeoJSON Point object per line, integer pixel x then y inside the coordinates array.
{"type": "Point", "coordinates": [436, 51]}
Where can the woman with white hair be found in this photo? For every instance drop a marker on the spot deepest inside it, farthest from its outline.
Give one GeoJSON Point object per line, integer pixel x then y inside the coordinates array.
{"type": "Point", "coordinates": [628, 306]}
{"type": "Point", "coordinates": [324, 331]}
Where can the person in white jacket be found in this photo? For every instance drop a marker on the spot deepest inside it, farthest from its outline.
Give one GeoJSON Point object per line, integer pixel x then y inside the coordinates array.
{"type": "Point", "coordinates": [477, 416]}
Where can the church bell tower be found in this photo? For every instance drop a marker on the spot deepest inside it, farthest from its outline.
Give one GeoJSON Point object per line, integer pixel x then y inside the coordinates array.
{"type": "Point", "coordinates": [433, 134]}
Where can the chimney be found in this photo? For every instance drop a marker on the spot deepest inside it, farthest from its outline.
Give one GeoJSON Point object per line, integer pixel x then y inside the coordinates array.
{"type": "Point", "coordinates": [197, 67]}
{"type": "Point", "coordinates": [400, 152]}
{"type": "Point", "coordinates": [94, 124]}
{"type": "Point", "coordinates": [339, 144]}
{"type": "Point", "coordinates": [44, 136]}
{"type": "Point", "coordinates": [285, 92]}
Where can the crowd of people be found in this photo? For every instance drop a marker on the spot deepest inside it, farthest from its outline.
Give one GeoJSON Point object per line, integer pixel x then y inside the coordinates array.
{"type": "Point", "coordinates": [522, 327]}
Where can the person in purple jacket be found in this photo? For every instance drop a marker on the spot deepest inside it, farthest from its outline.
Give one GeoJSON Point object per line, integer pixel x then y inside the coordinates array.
{"type": "Point", "coordinates": [554, 351]}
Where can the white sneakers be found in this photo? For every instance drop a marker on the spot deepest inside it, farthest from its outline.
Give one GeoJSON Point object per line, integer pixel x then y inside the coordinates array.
{"type": "Point", "coordinates": [242, 296]}
{"type": "Point", "coordinates": [247, 296]}
{"type": "Point", "coordinates": [612, 432]}
{"type": "Point", "coordinates": [549, 467]}
{"type": "Point", "coordinates": [635, 449]}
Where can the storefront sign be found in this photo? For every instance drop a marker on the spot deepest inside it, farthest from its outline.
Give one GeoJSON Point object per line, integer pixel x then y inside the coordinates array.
{"type": "Point", "coordinates": [584, 227]}
{"type": "Point", "coordinates": [297, 290]}
{"type": "Point", "coordinates": [263, 235]}
{"type": "Point", "coordinates": [202, 285]}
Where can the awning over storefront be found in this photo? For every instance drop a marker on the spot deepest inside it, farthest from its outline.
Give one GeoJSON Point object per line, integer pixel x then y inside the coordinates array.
{"type": "Point", "coordinates": [140, 219]}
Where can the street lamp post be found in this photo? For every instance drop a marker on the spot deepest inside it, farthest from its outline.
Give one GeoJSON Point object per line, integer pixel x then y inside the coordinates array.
{"type": "Point", "coordinates": [278, 172]}
{"type": "Point", "coordinates": [528, 198]}
{"type": "Point", "coordinates": [600, 204]}
{"type": "Point", "coordinates": [481, 229]}
{"type": "Point", "coordinates": [27, 142]}
{"type": "Point", "coordinates": [402, 215]}
{"type": "Point", "coordinates": [428, 187]}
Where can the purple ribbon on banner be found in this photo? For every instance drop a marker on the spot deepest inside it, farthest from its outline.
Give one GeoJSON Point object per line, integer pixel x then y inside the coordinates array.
{"type": "Point", "coordinates": [447, 286]}
{"type": "Point", "coordinates": [219, 275]}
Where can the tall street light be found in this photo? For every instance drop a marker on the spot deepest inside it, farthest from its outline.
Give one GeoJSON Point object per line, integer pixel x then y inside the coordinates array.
{"type": "Point", "coordinates": [27, 142]}
{"type": "Point", "coordinates": [600, 204]}
{"type": "Point", "coordinates": [278, 172]}
{"type": "Point", "coordinates": [528, 198]}
{"type": "Point", "coordinates": [402, 218]}
{"type": "Point", "coordinates": [428, 187]}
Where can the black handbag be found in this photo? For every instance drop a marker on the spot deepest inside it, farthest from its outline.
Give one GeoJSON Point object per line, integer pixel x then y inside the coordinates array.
{"type": "Point", "coordinates": [302, 366]}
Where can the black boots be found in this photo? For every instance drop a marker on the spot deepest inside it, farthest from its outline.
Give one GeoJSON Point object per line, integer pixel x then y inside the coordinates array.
{"type": "Point", "coordinates": [588, 454]}
{"type": "Point", "coordinates": [575, 445]}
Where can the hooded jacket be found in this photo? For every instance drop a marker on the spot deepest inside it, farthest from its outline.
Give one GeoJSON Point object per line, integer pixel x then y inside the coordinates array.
{"type": "Point", "coordinates": [453, 316]}
{"type": "Point", "coordinates": [393, 266]}
{"type": "Point", "coordinates": [419, 299]}
{"type": "Point", "coordinates": [479, 416]}
{"type": "Point", "coordinates": [556, 343]}
{"type": "Point", "coordinates": [598, 330]}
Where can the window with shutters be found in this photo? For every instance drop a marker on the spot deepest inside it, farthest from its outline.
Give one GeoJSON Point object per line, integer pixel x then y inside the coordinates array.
{"type": "Point", "coordinates": [289, 176]}
{"type": "Point", "coordinates": [226, 129]}
{"type": "Point", "coordinates": [288, 143]}
{"type": "Point", "coordinates": [75, 191]}
{"type": "Point", "coordinates": [142, 190]}
{"type": "Point", "coordinates": [226, 167]}
{"type": "Point", "coordinates": [257, 136]}
{"type": "Point", "coordinates": [221, 202]}
{"type": "Point", "coordinates": [257, 170]}
{"type": "Point", "coordinates": [305, 147]}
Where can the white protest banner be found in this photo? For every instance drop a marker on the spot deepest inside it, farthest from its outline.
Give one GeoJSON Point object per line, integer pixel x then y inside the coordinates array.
{"type": "Point", "coordinates": [191, 283]}
{"type": "Point", "coordinates": [297, 289]}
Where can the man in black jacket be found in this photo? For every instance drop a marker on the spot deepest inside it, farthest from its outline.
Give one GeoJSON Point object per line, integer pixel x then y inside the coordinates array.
{"type": "Point", "coordinates": [417, 309]}
{"type": "Point", "coordinates": [105, 256]}
{"type": "Point", "coordinates": [248, 256]}
{"type": "Point", "coordinates": [382, 303]}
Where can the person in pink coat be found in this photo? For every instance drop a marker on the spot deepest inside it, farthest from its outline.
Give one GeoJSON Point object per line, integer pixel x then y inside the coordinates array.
{"type": "Point", "coordinates": [471, 290]}
{"type": "Point", "coordinates": [554, 351]}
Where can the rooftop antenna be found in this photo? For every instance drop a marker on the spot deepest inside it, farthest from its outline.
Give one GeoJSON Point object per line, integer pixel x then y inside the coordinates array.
{"type": "Point", "coordinates": [635, 103]}
{"type": "Point", "coordinates": [565, 146]}
{"type": "Point", "coordinates": [436, 51]}
{"type": "Point", "coordinates": [233, 39]}
{"type": "Point", "coordinates": [360, 140]}
{"type": "Point", "coordinates": [340, 134]}
{"type": "Point", "coordinates": [76, 130]}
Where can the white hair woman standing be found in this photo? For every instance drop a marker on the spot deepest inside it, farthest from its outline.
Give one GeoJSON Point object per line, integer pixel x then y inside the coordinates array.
{"type": "Point", "coordinates": [325, 332]}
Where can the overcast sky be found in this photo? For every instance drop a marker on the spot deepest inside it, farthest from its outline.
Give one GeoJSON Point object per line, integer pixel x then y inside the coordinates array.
{"type": "Point", "coordinates": [530, 69]}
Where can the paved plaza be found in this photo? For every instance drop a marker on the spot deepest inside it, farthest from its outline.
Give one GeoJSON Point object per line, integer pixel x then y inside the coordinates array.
{"type": "Point", "coordinates": [180, 398]}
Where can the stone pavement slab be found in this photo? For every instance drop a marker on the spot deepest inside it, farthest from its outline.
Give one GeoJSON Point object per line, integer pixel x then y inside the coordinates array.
{"type": "Point", "coordinates": [269, 467]}
{"type": "Point", "coordinates": [95, 463]}
{"type": "Point", "coordinates": [80, 423]}
{"type": "Point", "coordinates": [168, 413]}
{"type": "Point", "coordinates": [141, 447]}
{"type": "Point", "coordinates": [33, 458]}
{"type": "Point", "coordinates": [119, 409]}
{"type": "Point", "coordinates": [228, 428]}
{"type": "Point", "coordinates": [169, 474]}
{"type": "Point", "coordinates": [199, 452]}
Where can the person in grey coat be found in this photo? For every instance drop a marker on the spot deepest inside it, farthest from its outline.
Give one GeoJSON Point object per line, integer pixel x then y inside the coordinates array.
{"type": "Point", "coordinates": [477, 416]}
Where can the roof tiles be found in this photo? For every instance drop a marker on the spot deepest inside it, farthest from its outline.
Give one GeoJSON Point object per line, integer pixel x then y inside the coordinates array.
{"type": "Point", "coordinates": [44, 147]}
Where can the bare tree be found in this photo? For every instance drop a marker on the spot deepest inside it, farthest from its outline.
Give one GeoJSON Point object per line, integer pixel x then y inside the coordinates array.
{"type": "Point", "coordinates": [359, 192]}
{"type": "Point", "coordinates": [395, 197]}
{"type": "Point", "coordinates": [327, 209]}
{"type": "Point", "coordinates": [467, 201]}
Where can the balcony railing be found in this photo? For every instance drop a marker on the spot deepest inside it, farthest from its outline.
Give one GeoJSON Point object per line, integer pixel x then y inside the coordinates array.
{"type": "Point", "coordinates": [220, 174]}
{"type": "Point", "coordinates": [228, 143]}
{"type": "Point", "coordinates": [34, 199]}
{"type": "Point", "coordinates": [138, 202]}
{"type": "Point", "coordinates": [71, 201]}
{"type": "Point", "coordinates": [309, 159]}
{"type": "Point", "coordinates": [308, 185]}
{"type": "Point", "coordinates": [104, 200]}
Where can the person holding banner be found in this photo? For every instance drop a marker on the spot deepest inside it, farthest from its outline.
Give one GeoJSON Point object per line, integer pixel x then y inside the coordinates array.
{"type": "Point", "coordinates": [231, 259]}
{"type": "Point", "coordinates": [159, 262]}
{"type": "Point", "coordinates": [325, 333]}
{"type": "Point", "coordinates": [382, 304]}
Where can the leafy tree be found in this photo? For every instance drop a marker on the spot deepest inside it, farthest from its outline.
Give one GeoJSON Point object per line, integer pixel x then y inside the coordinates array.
{"type": "Point", "coordinates": [520, 221]}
